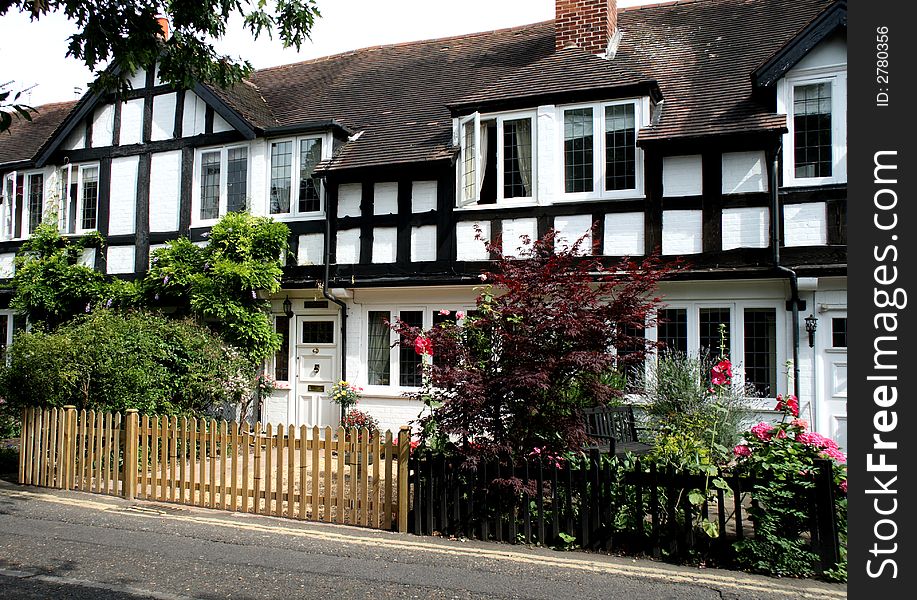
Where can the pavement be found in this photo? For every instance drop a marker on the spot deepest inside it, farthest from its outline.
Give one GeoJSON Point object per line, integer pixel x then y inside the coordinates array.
{"type": "Point", "coordinates": [62, 544]}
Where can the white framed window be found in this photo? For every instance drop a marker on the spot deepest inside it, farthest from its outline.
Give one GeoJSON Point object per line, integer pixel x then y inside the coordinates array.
{"type": "Point", "coordinates": [497, 161]}
{"type": "Point", "coordinates": [10, 325]}
{"type": "Point", "coordinates": [598, 153]}
{"type": "Point", "coordinates": [293, 190]}
{"type": "Point", "coordinates": [221, 183]}
{"type": "Point", "coordinates": [279, 365]}
{"type": "Point", "coordinates": [815, 146]}
{"type": "Point", "coordinates": [754, 337]}
{"type": "Point", "coordinates": [22, 203]}
{"type": "Point", "coordinates": [79, 198]}
{"type": "Point", "coordinates": [392, 365]}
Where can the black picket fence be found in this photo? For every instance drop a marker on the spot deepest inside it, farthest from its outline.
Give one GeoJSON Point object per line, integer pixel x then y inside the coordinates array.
{"type": "Point", "coordinates": [600, 503]}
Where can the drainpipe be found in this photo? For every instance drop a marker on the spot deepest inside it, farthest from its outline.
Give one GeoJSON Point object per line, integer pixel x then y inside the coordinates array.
{"type": "Point", "coordinates": [789, 273]}
{"type": "Point", "coordinates": [330, 297]}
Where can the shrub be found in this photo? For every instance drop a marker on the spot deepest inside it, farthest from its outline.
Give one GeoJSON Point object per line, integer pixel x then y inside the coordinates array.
{"type": "Point", "coordinates": [109, 361]}
{"type": "Point", "coordinates": [782, 459]}
{"type": "Point", "coordinates": [536, 351]}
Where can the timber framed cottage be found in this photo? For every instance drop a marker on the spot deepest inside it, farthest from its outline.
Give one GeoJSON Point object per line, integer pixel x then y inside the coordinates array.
{"type": "Point", "coordinates": [713, 130]}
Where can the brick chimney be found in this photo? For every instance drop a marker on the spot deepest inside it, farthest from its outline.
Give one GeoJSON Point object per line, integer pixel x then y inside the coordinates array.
{"type": "Point", "coordinates": [164, 26]}
{"type": "Point", "coordinates": [587, 24]}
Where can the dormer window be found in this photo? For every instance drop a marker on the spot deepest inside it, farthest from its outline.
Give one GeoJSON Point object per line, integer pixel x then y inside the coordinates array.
{"type": "Point", "coordinates": [600, 154]}
{"type": "Point", "coordinates": [294, 190]}
{"type": "Point", "coordinates": [497, 159]}
{"type": "Point", "coordinates": [815, 148]}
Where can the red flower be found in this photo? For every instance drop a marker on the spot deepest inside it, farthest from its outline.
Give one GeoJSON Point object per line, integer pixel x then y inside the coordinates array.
{"type": "Point", "coordinates": [721, 373]}
{"type": "Point", "coordinates": [423, 346]}
{"type": "Point", "coordinates": [789, 405]}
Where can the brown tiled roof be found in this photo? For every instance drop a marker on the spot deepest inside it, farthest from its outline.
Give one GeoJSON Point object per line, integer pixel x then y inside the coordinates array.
{"type": "Point", "coordinates": [25, 138]}
{"type": "Point", "coordinates": [700, 53]}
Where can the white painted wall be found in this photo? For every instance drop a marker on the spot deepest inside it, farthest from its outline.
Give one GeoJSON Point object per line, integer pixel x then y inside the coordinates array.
{"type": "Point", "coordinates": [257, 176]}
{"type": "Point", "coordinates": [7, 269]}
{"type": "Point", "coordinates": [385, 244]}
{"type": "Point", "coordinates": [547, 155]}
{"type": "Point", "coordinates": [466, 246]}
{"type": "Point", "coordinates": [103, 126]}
{"type": "Point", "coordinates": [625, 234]}
{"type": "Point", "coordinates": [76, 140]}
{"type": "Point", "coordinates": [165, 190]}
{"type": "Point", "coordinates": [131, 122]}
{"type": "Point", "coordinates": [423, 196]}
{"type": "Point", "coordinates": [571, 228]}
{"type": "Point", "coordinates": [120, 259]}
{"type": "Point", "coordinates": [193, 115]}
{"type": "Point", "coordinates": [805, 224]}
{"type": "Point", "coordinates": [123, 206]}
{"type": "Point", "coordinates": [682, 175]}
{"type": "Point", "coordinates": [348, 247]}
{"type": "Point", "coordinates": [514, 230]}
{"type": "Point", "coordinates": [164, 116]}
{"type": "Point", "coordinates": [423, 243]}
{"type": "Point", "coordinates": [682, 231]}
{"type": "Point", "coordinates": [220, 124]}
{"type": "Point", "coordinates": [744, 172]}
{"type": "Point", "coordinates": [350, 195]}
{"type": "Point", "coordinates": [311, 249]}
{"type": "Point", "coordinates": [137, 80]}
{"type": "Point", "coordinates": [831, 52]}
{"type": "Point", "coordinates": [745, 228]}
{"type": "Point", "coordinates": [385, 198]}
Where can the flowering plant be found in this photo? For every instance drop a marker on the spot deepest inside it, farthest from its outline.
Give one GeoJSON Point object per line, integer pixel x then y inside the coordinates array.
{"type": "Point", "coordinates": [355, 418]}
{"type": "Point", "coordinates": [781, 457]}
{"type": "Point", "coordinates": [346, 394]}
{"type": "Point", "coordinates": [266, 385]}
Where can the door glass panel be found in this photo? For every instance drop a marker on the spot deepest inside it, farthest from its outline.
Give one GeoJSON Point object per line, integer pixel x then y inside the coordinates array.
{"type": "Point", "coordinates": [318, 332]}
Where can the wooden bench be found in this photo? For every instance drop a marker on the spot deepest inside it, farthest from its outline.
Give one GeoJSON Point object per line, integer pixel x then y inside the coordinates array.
{"type": "Point", "coordinates": [613, 430]}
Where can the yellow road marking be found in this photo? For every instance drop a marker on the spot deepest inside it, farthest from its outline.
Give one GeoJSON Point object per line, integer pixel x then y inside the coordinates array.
{"type": "Point", "coordinates": [353, 538]}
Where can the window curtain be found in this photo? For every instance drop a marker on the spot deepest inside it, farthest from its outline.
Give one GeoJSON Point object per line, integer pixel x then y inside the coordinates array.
{"type": "Point", "coordinates": [482, 153]}
{"type": "Point", "coordinates": [379, 351]}
{"type": "Point", "coordinates": [524, 149]}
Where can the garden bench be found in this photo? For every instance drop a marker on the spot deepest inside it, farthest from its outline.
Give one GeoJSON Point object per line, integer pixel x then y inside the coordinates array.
{"type": "Point", "coordinates": [613, 430]}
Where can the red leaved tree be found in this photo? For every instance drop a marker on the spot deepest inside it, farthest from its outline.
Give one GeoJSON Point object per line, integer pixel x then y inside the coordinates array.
{"type": "Point", "coordinates": [540, 347]}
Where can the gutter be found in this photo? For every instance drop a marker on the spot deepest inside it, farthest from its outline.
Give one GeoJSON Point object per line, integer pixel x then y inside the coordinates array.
{"type": "Point", "coordinates": [789, 273]}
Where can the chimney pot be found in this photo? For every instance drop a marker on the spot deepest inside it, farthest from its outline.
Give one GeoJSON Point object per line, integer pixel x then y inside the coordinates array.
{"type": "Point", "coordinates": [163, 26]}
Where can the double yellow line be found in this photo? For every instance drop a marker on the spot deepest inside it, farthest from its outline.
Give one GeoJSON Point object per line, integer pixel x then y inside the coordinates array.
{"type": "Point", "coordinates": [393, 541]}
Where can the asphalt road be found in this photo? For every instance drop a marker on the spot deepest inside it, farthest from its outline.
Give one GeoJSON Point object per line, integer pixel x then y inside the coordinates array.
{"type": "Point", "coordinates": [56, 544]}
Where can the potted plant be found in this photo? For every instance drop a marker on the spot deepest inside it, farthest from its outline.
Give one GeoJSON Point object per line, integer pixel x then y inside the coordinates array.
{"type": "Point", "coordinates": [358, 419]}
{"type": "Point", "coordinates": [346, 395]}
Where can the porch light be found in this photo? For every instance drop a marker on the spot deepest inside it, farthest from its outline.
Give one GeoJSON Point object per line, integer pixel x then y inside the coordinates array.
{"type": "Point", "coordinates": [811, 326]}
{"type": "Point", "coordinates": [288, 309]}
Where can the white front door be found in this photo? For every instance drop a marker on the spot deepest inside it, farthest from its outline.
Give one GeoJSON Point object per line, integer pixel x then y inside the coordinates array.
{"type": "Point", "coordinates": [317, 368]}
{"type": "Point", "coordinates": [832, 411]}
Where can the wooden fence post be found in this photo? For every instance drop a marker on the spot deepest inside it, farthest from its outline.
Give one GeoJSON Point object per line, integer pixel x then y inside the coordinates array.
{"type": "Point", "coordinates": [65, 460]}
{"type": "Point", "coordinates": [130, 454]}
{"type": "Point", "coordinates": [24, 431]}
{"type": "Point", "coordinates": [404, 452]}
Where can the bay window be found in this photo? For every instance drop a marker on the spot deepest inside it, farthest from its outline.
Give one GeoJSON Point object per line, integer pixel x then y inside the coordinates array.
{"type": "Point", "coordinates": [293, 164]}
{"type": "Point", "coordinates": [222, 182]}
{"type": "Point", "coordinates": [497, 161]}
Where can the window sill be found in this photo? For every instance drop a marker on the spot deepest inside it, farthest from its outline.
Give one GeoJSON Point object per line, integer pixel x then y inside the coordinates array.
{"type": "Point", "coordinates": [625, 195]}
{"type": "Point", "coordinates": [496, 206]}
{"type": "Point", "coordinates": [286, 217]}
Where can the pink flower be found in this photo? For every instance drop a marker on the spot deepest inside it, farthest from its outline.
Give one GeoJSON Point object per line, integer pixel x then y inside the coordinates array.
{"type": "Point", "coordinates": [801, 423]}
{"type": "Point", "coordinates": [843, 486]}
{"type": "Point", "coordinates": [762, 431]}
{"type": "Point", "coordinates": [444, 312]}
{"type": "Point", "coordinates": [724, 367]}
{"type": "Point", "coordinates": [719, 379]}
{"type": "Point", "coordinates": [742, 450]}
{"type": "Point", "coordinates": [423, 346]}
{"type": "Point", "coordinates": [835, 455]}
{"type": "Point", "coordinates": [459, 314]}
{"type": "Point", "coordinates": [781, 434]}
{"type": "Point", "coordinates": [482, 277]}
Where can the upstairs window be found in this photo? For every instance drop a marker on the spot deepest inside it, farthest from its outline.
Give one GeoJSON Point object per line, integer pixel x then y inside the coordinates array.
{"type": "Point", "coordinates": [812, 130]}
{"type": "Point", "coordinates": [79, 194]}
{"type": "Point", "coordinates": [222, 182]}
{"type": "Point", "coordinates": [815, 147]}
{"type": "Point", "coordinates": [600, 154]}
{"type": "Point", "coordinates": [497, 159]}
{"type": "Point", "coordinates": [21, 204]}
{"type": "Point", "coordinates": [293, 164]}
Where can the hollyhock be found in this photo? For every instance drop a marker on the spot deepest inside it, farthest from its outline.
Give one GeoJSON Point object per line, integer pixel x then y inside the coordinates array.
{"type": "Point", "coordinates": [423, 346]}
{"type": "Point", "coordinates": [789, 405]}
{"type": "Point", "coordinates": [801, 423]}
